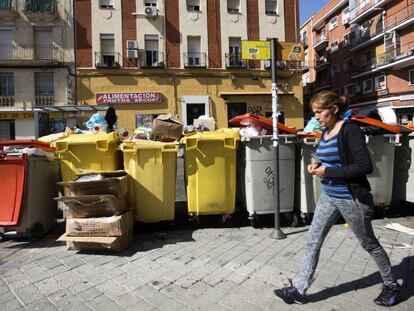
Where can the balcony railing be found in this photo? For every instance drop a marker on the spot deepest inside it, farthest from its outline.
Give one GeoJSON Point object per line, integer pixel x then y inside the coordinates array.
{"type": "Point", "coordinates": [321, 40]}
{"type": "Point", "coordinates": [194, 59]}
{"type": "Point", "coordinates": [107, 59]}
{"type": "Point", "coordinates": [363, 36]}
{"type": "Point", "coordinates": [44, 101]}
{"type": "Point", "coordinates": [151, 59]}
{"type": "Point", "coordinates": [387, 58]}
{"type": "Point", "coordinates": [322, 62]}
{"type": "Point", "coordinates": [6, 101]}
{"type": "Point", "coordinates": [399, 17]}
{"type": "Point", "coordinates": [234, 60]}
{"type": "Point", "coordinates": [365, 7]}
{"type": "Point", "coordinates": [31, 52]}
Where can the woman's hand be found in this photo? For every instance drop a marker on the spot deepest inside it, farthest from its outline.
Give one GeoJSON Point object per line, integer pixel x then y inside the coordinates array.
{"type": "Point", "coordinates": [320, 171]}
{"type": "Point", "coordinates": [312, 167]}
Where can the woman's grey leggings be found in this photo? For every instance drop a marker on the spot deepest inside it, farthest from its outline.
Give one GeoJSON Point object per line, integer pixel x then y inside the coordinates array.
{"type": "Point", "coordinates": [358, 215]}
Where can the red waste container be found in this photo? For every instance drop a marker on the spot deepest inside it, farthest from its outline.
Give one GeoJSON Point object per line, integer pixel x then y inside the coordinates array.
{"type": "Point", "coordinates": [27, 191]}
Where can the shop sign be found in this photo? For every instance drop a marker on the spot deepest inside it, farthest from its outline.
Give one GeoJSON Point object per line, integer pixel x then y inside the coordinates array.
{"type": "Point", "coordinates": [128, 98]}
{"type": "Point", "coordinates": [382, 92]}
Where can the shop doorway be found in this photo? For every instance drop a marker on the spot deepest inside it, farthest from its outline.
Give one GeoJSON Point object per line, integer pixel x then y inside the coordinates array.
{"type": "Point", "coordinates": [7, 130]}
{"type": "Point", "coordinates": [234, 110]}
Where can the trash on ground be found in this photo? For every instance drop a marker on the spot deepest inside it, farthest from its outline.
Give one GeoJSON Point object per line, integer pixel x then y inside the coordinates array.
{"type": "Point", "coordinates": [400, 228]}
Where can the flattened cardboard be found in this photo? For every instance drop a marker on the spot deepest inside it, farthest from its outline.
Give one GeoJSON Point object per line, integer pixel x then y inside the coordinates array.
{"type": "Point", "coordinates": [166, 125]}
{"type": "Point", "coordinates": [116, 184]}
{"type": "Point", "coordinates": [101, 227]}
{"type": "Point", "coordinates": [84, 206]}
{"type": "Point", "coordinates": [98, 243]}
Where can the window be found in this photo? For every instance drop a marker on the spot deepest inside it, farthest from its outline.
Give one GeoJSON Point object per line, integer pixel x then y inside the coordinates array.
{"type": "Point", "coordinates": [347, 39]}
{"type": "Point", "coordinates": [411, 77]}
{"type": "Point", "coordinates": [106, 4]}
{"type": "Point", "coordinates": [194, 55]}
{"type": "Point", "coordinates": [40, 6]}
{"type": "Point", "coordinates": [151, 51]}
{"type": "Point", "coordinates": [6, 43]}
{"type": "Point", "coordinates": [334, 46]}
{"type": "Point", "coordinates": [152, 3]}
{"type": "Point", "coordinates": [193, 5]}
{"type": "Point", "coordinates": [367, 86]}
{"type": "Point", "coordinates": [6, 84]}
{"type": "Point", "coordinates": [334, 70]}
{"type": "Point", "coordinates": [194, 107]}
{"type": "Point", "coordinates": [234, 51]}
{"type": "Point", "coordinates": [44, 43]}
{"type": "Point", "coordinates": [348, 64]}
{"type": "Point", "coordinates": [333, 23]}
{"type": "Point", "coordinates": [380, 83]}
{"type": "Point", "coordinates": [44, 84]}
{"type": "Point", "coordinates": [106, 57]}
{"type": "Point", "coordinates": [345, 16]}
{"type": "Point", "coordinates": [349, 90]}
{"type": "Point", "coordinates": [271, 7]}
{"type": "Point", "coordinates": [304, 38]}
{"type": "Point", "coordinates": [233, 6]}
{"type": "Point", "coordinates": [367, 57]}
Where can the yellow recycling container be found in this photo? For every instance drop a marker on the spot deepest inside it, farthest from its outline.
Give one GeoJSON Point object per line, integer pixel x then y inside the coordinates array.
{"type": "Point", "coordinates": [152, 169]}
{"type": "Point", "coordinates": [87, 152]}
{"type": "Point", "coordinates": [210, 171]}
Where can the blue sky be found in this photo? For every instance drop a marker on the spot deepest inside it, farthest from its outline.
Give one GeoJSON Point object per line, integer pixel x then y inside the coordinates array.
{"type": "Point", "coordinates": [308, 7]}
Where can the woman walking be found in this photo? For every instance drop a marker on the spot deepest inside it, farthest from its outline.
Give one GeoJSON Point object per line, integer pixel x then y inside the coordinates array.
{"type": "Point", "coordinates": [344, 164]}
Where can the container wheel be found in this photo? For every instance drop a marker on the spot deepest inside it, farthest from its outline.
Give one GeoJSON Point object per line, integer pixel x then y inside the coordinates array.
{"type": "Point", "coordinates": [255, 221]}
{"type": "Point", "coordinates": [194, 221]}
{"type": "Point", "coordinates": [37, 231]}
{"type": "Point", "coordinates": [227, 220]}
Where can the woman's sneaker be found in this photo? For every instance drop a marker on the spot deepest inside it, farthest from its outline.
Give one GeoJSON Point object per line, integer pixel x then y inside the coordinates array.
{"type": "Point", "coordinates": [290, 294]}
{"type": "Point", "coordinates": [389, 295]}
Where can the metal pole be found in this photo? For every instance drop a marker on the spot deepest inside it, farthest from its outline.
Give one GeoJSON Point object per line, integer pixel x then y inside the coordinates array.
{"type": "Point", "coordinates": [277, 232]}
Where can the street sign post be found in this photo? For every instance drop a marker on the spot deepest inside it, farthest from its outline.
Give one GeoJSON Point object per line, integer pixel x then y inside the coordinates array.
{"type": "Point", "coordinates": [265, 50]}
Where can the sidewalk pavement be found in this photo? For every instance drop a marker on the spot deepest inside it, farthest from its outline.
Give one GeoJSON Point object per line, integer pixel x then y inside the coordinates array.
{"type": "Point", "coordinates": [206, 269]}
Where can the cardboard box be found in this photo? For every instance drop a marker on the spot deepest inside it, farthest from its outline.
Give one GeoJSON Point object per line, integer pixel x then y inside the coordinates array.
{"type": "Point", "coordinates": [165, 125]}
{"type": "Point", "coordinates": [115, 183]}
{"type": "Point", "coordinates": [102, 205]}
{"type": "Point", "coordinates": [101, 227]}
{"type": "Point", "coordinates": [98, 243]}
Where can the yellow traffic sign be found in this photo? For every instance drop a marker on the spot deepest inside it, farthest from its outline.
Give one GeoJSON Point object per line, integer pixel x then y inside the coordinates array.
{"type": "Point", "coordinates": [292, 51]}
{"type": "Point", "coordinates": [257, 50]}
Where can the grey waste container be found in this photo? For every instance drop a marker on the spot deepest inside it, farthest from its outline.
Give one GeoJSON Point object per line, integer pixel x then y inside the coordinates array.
{"type": "Point", "coordinates": [256, 173]}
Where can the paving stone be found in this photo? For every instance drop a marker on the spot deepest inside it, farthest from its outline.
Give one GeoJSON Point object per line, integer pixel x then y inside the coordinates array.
{"type": "Point", "coordinates": [152, 296]}
{"type": "Point", "coordinates": [10, 305]}
{"type": "Point", "coordinates": [42, 305]}
{"type": "Point", "coordinates": [28, 294]}
{"type": "Point", "coordinates": [49, 286]}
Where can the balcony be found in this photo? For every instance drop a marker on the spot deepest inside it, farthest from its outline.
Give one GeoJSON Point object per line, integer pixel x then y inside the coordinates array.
{"type": "Point", "coordinates": [40, 10]}
{"type": "Point", "coordinates": [44, 101]}
{"type": "Point", "coordinates": [365, 38]}
{"type": "Point", "coordinates": [322, 63]}
{"type": "Point", "coordinates": [194, 59]}
{"type": "Point", "coordinates": [365, 8]}
{"type": "Point", "coordinates": [6, 101]}
{"type": "Point", "coordinates": [233, 60]}
{"type": "Point", "coordinates": [23, 55]}
{"type": "Point", "coordinates": [8, 10]}
{"type": "Point", "coordinates": [107, 60]}
{"type": "Point", "coordinates": [400, 57]}
{"type": "Point", "coordinates": [321, 41]}
{"type": "Point", "coordinates": [400, 19]}
{"type": "Point", "coordinates": [151, 59]}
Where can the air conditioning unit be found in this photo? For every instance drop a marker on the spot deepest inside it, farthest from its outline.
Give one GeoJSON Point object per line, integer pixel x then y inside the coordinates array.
{"type": "Point", "coordinates": [132, 44]}
{"type": "Point", "coordinates": [388, 35]}
{"type": "Point", "coordinates": [150, 11]}
{"type": "Point", "coordinates": [357, 89]}
{"type": "Point", "coordinates": [132, 54]}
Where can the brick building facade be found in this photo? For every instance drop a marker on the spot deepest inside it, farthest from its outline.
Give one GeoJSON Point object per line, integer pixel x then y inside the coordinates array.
{"type": "Point", "coordinates": [363, 49]}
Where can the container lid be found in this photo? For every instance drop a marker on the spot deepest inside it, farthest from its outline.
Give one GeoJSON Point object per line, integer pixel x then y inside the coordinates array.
{"type": "Point", "coordinates": [393, 129]}
{"type": "Point", "coordinates": [90, 138]}
{"type": "Point", "coordinates": [213, 135]}
{"type": "Point", "coordinates": [27, 143]}
{"type": "Point", "coordinates": [250, 119]}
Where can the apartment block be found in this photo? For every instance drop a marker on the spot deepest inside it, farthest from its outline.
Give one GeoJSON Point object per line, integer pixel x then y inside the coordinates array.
{"type": "Point", "coordinates": [363, 49]}
{"type": "Point", "coordinates": [37, 73]}
{"type": "Point", "coordinates": [147, 57]}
